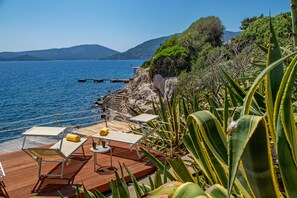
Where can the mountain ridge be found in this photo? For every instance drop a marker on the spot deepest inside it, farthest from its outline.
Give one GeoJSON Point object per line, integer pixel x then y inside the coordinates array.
{"type": "Point", "coordinates": [78, 52]}
{"type": "Point", "coordinates": [143, 51]}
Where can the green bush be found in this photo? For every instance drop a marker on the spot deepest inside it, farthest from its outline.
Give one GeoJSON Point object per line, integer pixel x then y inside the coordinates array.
{"type": "Point", "coordinates": [258, 31]}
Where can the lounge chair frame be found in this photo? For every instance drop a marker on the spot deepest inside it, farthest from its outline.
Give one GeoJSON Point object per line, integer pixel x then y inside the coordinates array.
{"type": "Point", "coordinates": [2, 185]}
{"type": "Point", "coordinates": [129, 138]}
{"type": "Point", "coordinates": [59, 152]}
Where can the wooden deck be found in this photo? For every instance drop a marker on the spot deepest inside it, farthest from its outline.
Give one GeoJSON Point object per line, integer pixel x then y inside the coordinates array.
{"type": "Point", "coordinates": [21, 172]}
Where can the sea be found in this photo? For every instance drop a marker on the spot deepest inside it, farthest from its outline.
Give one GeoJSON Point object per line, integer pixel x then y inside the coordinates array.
{"type": "Point", "coordinates": [47, 93]}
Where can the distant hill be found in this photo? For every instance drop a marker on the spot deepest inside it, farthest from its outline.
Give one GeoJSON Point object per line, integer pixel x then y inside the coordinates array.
{"type": "Point", "coordinates": [80, 52]}
{"type": "Point", "coordinates": [228, 35]}
{"type": "Point", "coordinates": [143, 51]}
{"type": "Point", "coordinates": [146, 50]}
{"type": "Point", "coordinates": [21, 58]}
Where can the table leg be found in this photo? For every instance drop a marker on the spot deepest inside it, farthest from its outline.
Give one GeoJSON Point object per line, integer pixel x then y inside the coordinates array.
{"type": "Point", "coordinates": [110, 157]}
{"type": "Point", "coordinates": [95, 160]}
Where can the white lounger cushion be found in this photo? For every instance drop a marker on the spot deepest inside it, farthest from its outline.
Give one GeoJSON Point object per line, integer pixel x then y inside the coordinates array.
{"type": "Point", "coordinates": [129, 138]}
{"type": "Point", "coordinates": [69, 147]}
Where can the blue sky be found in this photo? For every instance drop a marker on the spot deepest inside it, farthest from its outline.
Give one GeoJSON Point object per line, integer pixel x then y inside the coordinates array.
{"type": "Point", "coordinates": [117, 24]}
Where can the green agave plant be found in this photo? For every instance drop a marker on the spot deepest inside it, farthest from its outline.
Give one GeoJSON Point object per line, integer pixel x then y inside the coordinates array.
{"type": "Point", "coordinates": [241, 162]}
{"type": "Point", "coordinates": [172, 119]}
{"type": "Point", "coordinates": [245, 156]}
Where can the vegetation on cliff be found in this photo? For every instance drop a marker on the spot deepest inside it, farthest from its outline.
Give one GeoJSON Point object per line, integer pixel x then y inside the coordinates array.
{"type": "Point", "coordinates": [198, 54]}
{"type": "Point", "coordinates": [178, 53]}
{"type": "Point", "coordinates": [258, 30]}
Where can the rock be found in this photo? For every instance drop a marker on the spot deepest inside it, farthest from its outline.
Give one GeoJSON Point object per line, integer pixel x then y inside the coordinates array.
{"type": "Point", "coordinates": [171, 85]}
{"type": "Point", "coordinates": [165, 85]}
{"type": "Point", "coordinates": [140, 92]}
{"type": "Point", "coordinates": [159, 83]}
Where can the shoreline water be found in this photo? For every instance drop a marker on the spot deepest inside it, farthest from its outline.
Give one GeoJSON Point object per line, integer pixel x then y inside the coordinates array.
{"type": "Point", "coordinates": [38, 89]}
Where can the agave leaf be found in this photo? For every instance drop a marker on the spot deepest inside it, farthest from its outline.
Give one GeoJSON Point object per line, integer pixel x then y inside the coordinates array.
{"type": "Point", "coordinates": [217, 191]}
{"type": "Point", "coordinates": [121, 171]}
{"type": "Point", "coordinates": [185, 107]}
{"type": "Point", "coordinates": [294, 17]}
{"type": "Point", "coordinates": [163, 112]}
{"type": "Point", "coordinates": [174, 113]}
{"type": "Point", "coordinates": [198, 145]}
{"type": "Point", "coordinates": [286, 130]}
{"type": "Point", "coordinates": [122, 187]}
{"type": "Point", "coordinates": [196, 104]}
{"type": "Point", "coordinates": [157, 163]}
{"type": "Point", "coordinates": [188, 190]}
{"type": "Point", "coordinates": [211, 132]}
{"type": "Point", "coordinates": [158, 179]}
{"type": "Point", "coordinates": [213, 169]}
{"type": "Point", "coordinates": [152, 183]}
{"type": "Point", "coordinates": [226, 111]}
{"type": "Point", "coordinates": [61, 195]}
{"type": "Point", "coordinates": [249, 97]}
{"type": "Point", "coordinates": [234, 96]}
{"type": "Point", "coordinates": [234, 85]}
{"type": "Point", "coordinates": [134, 111]}
{"type": "Point", "coordinates": [98, 194]}
{"type": "Point", "coordinates": [77, 191]}
{"type": "Point", "coordinates": [240, 93]}
{"type": "Point", "coordinates": [137, 187]}
{"type": "Point", "coordinates": [195, 148]}
{"type": "Point", "coordinates": [166, 190]}
{"type": "Point", "coordinates": [286, 110]}
{"type": "Point", "coordinates": [287, 165]}
{"type": "Point", "coordinates": [263, 48]}
{"type": "Point", "coordinates": [114, 190]}
{"type": "Point", "coordinates": [274, 77]}
{"type": "Point", "coordinates": [213, 108]}
{"type": "Point", "coordinates": [220, 168]}
{"type": "Point", "coordinates": [145, 188]}
{"type": "Point", "coordinates": [88, 194]}
{"type": "Point", "coordinates": [181, 171]}
{"type": "Point", "coordinates": [165, 173]}
{"type": "Point", "coordinates": [244, 144]}
{"type": "Point", "coordinates": [294, 107]}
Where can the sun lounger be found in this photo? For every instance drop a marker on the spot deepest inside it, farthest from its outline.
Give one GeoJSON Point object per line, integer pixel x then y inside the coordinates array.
{"type": "Point", "coordinates": [55, 154]}
{"type": "Point", "coordinates": [129, 138]}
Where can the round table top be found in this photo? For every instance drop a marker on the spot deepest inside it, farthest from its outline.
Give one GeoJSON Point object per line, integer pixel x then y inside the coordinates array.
{"type": "Point", "coordinates": [100, 149]}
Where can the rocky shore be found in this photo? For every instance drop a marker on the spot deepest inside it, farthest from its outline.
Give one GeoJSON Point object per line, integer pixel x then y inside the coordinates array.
{"type": "Point", "coordinates": [139, 92]}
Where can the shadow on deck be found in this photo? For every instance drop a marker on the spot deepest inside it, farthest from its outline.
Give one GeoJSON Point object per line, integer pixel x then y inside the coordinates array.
{"type": "Point", "coordinates": [21, 172]}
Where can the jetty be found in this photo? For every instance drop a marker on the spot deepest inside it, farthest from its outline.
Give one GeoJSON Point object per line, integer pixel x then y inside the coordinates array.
{"type": "Point", "coordinates": [100, 80]}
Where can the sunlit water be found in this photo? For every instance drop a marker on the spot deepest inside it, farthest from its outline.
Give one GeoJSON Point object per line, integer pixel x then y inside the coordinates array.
{"type": "Point", "coordinates": [41, 88]}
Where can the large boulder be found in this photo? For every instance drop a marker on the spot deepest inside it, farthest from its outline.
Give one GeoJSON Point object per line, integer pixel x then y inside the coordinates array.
{"type": "Point", "coordinates": [165, 86]}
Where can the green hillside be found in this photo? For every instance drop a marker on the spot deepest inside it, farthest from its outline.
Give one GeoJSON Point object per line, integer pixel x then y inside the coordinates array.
{"type": "Point", "coordinates": [143, 51]}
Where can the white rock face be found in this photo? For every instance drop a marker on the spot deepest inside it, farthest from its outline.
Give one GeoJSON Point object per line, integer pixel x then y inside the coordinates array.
{"type": "Point", "coordinates": [165, 85]}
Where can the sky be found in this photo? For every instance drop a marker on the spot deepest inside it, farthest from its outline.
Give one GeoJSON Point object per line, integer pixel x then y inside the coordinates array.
{"type": "Point", "coordinates": [116, 24]}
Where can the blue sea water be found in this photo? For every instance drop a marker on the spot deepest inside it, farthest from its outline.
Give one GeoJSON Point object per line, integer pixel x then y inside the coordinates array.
{"type": "Point", "coordinates": [43, 88]}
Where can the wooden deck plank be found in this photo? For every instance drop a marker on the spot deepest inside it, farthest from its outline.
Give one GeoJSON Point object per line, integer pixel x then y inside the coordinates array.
{"type": "Point", "coordinates": [21, 172]}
